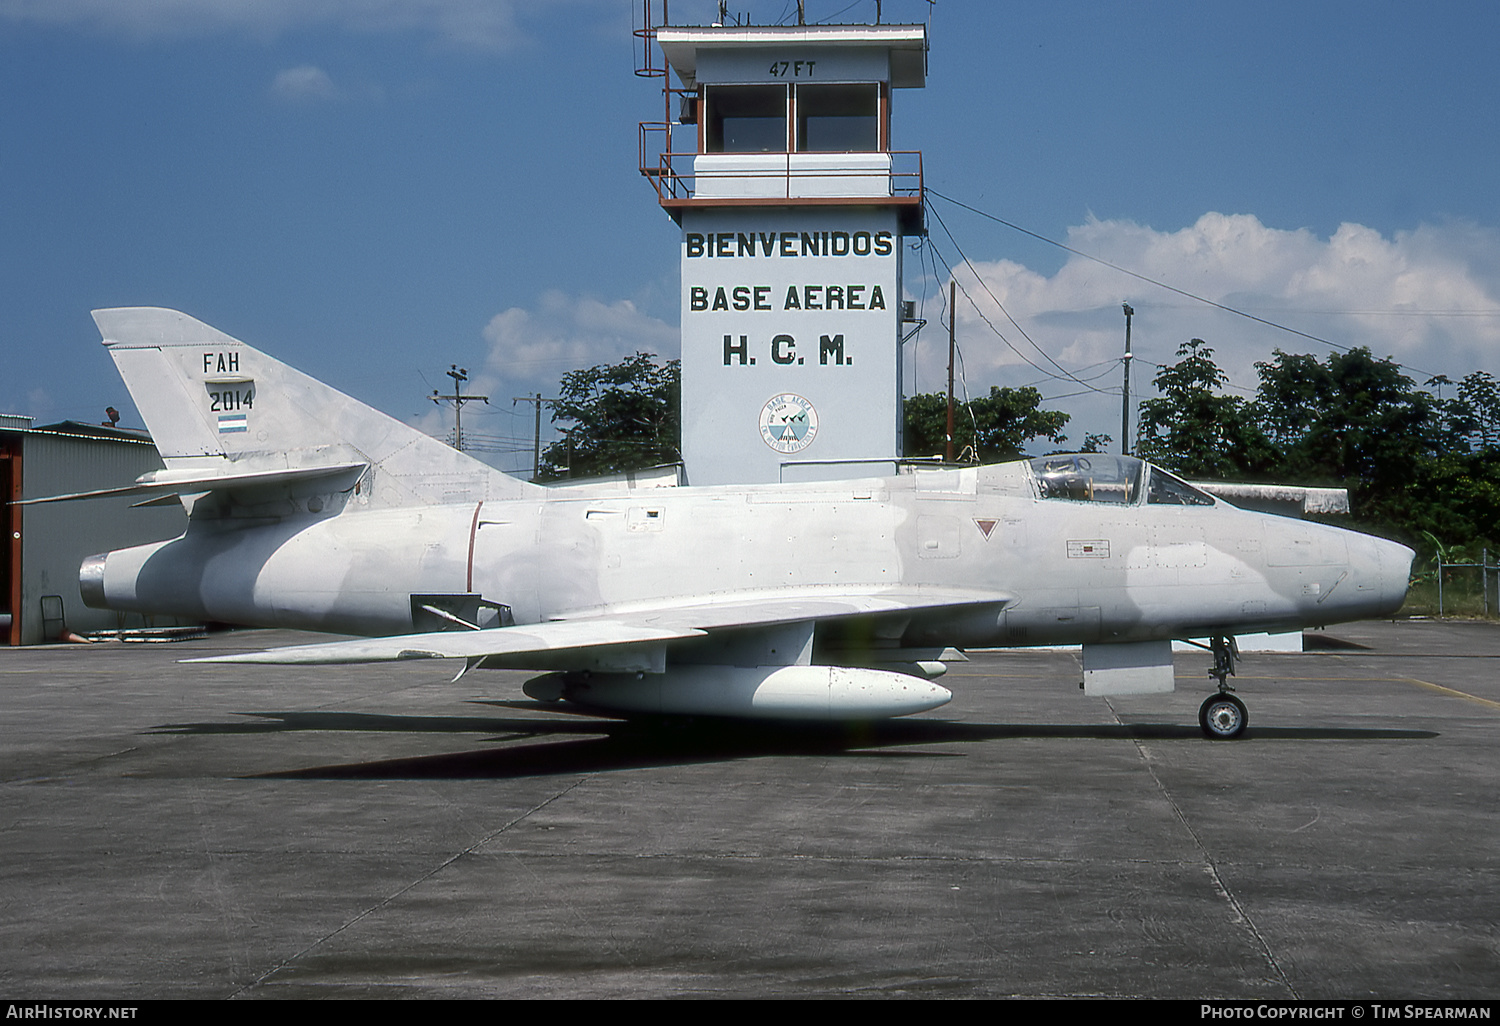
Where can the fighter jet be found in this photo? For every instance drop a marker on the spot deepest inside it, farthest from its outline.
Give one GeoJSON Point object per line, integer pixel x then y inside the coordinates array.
{"type": "Point", "coordinates": [835, 600]}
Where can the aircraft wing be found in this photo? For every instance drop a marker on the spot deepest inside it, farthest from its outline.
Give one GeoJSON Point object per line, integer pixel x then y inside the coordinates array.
{"type": "Point", "coordinates": [530, 639]}
{"type": "Point", "coordinates": [529, 645]}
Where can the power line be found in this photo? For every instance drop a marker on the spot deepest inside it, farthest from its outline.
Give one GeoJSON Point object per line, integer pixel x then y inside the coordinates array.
{"type": "Point", "coordinates": [1153, 281]}
{"type": "Point", "coordinates": [1065, 373]}
{"type": "Point", "coordinates": [1064, 376]}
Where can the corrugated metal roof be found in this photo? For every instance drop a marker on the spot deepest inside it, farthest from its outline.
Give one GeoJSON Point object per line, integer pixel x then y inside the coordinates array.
{"type": "Point", "coordinates": [109, 431]}
{"type": "Point", "coordinates": [76, 429]}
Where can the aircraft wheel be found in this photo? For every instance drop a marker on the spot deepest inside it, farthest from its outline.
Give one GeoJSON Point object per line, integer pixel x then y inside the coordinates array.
{"type": "Point", "coordinates": [1222, 717]}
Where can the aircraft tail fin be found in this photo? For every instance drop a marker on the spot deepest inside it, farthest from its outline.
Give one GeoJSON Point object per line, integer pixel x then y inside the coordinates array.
{"type": "Point", "coordinates": [216, 406]}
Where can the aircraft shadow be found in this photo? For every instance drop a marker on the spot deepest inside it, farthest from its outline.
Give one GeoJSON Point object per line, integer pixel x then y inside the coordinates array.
{"type": "Point", "coordinates": [1328, 643]}
{"type": "Point", "coordinates": [658, 742]}
{"type": "Point", "coordinates": [281, 722]}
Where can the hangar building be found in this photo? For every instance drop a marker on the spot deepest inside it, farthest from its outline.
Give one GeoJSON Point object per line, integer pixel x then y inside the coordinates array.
{"type": "Point", "coordinates": [43, 545]}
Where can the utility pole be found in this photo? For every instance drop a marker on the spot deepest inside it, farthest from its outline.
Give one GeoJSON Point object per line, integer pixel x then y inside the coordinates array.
{"type": "Point", "coordinates": [952, 344]}
{"type": "Point", "coordinates": [536, 439]}
{"type": "Point", "coordinates": [459, 376]}
{"type": "Point", "coordinates": [1125, 394]}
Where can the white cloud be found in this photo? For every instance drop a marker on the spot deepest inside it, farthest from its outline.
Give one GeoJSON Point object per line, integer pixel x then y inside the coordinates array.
{"type": "Point", "coordinates": [472, 24]}
{"type": "Point", "coordinates": [531, 348]}
{"type": "Point", "coordinates": [1430, 298]}
{"type": "Point", "coordinates": [304, 84]}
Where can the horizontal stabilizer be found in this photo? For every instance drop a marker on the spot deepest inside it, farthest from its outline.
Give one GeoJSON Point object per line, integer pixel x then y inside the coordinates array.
{"type": "Point", "coordinates": [166, 483]}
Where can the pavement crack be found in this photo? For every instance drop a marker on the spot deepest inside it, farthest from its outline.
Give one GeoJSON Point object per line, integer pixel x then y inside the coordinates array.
{"type": "Point", "coordinates": [1211, 867]}
{"type": "Point", "coordinates": [407, 888]}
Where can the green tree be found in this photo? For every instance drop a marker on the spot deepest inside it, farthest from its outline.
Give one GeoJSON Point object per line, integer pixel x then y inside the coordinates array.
{"type": "Point", "coordinates": [1457, 499]}
{"type": "Point", "coordinates": [1355, 421]}
{"type": "Point", "coordinates": [1195, 429]}
{"type": "Point", "coordinates": [621, 417]}
{"type": "Point", "coordinates": [1460, 485]}
{"type": "Point", "coordinates": [1002, 422]}
{"type": "Point", "coordinates": [1478, 410]}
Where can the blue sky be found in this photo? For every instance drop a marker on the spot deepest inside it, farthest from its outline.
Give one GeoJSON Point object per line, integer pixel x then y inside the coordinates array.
{"type": "Point", "coordinates": [375, 189]}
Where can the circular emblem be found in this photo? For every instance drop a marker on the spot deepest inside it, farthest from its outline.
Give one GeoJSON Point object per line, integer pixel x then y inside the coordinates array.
{"type": "Point", "coordinates": [788, 423]}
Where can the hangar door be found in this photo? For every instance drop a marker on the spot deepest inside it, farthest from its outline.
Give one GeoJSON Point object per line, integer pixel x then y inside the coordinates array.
{"type": "Point", "coordinates": [10, 540]}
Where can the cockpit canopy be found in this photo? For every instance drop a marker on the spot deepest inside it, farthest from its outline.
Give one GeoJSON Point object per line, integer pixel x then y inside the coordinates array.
{"type": "Point", "coordinates": [1100, 477]}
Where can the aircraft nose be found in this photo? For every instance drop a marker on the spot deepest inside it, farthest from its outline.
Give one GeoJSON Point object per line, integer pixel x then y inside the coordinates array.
{"type": "Point", "coordinates": [1382, 571]}
{"type": "Point", "coordinates": [1395, 561]}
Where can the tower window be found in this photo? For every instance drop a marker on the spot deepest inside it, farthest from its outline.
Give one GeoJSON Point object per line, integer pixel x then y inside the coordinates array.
{"type": "Point", "coordinates": [838, 118]}
{"type": "Point", "coordinates": [745, 119]}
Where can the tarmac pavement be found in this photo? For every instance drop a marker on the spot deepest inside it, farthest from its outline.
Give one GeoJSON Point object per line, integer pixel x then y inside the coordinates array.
{"type": "Point", "coordinates": [172, 830]}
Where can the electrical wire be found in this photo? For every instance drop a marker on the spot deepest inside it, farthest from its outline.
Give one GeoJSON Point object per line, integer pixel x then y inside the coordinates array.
{"type": "Point", "coordinates": [1065, 375]}
{"type": "Point", "coordinates": [1152, 281]}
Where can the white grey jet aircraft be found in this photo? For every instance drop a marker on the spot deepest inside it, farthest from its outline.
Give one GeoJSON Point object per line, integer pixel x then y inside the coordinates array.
{"type": "Point", "coordinates": [833, 600]}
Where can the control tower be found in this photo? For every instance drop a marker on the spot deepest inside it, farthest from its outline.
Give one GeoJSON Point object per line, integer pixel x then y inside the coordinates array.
{"type": "Point", "coordinates": [774, 157]}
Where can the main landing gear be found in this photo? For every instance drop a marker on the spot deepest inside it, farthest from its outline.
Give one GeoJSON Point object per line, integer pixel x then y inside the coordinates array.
{"type": "Point", "coordinates": [1223, 716]}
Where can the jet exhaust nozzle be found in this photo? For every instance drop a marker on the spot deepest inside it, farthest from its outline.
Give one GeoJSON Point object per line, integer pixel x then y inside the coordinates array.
{"type": "Point", "coordinates": [91, 581]}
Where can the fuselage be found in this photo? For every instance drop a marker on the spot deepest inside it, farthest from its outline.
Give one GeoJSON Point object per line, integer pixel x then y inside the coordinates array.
{"type": "Point", "coordinates": [1112, 553]}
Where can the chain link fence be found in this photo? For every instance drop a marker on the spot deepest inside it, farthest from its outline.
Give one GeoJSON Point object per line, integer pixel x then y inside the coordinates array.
{"type": "Point", "coordinates": [1451, 588]}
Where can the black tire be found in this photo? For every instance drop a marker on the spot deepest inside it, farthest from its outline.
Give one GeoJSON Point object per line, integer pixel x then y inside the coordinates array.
{"type": "Point", "coordinates": [1222, 717]}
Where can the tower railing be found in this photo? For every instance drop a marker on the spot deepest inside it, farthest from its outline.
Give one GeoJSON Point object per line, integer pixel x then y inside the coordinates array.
{"type": "Point", "coordinates": [681, 178]}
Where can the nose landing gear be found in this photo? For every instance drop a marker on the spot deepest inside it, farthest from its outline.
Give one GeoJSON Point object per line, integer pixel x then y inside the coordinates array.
{"type": "Point", "coordinates": [1223, 716]}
